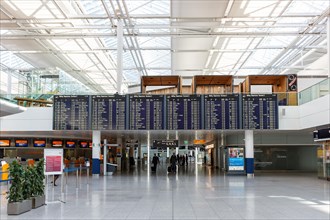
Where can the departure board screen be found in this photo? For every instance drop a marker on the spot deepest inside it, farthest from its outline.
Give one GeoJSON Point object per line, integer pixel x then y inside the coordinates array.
{"type": "Point", "coordinates": [260, 111]}
{"type": "Point", "coordinates": [221, 111]}
{"type": "Point", "coordinates": [108, 112]}
{"type": "Point", "coordinates": [146, 112]}
{"type": "Point", "coordinates": [184, 112]}
{"type": "Point", "coordinates": [71, 112]}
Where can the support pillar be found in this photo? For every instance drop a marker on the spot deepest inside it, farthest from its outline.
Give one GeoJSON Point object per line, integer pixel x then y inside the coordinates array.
{"type": "Point", "coordinates": [120, 38]}
{"type": "Point", "coordinates": [96, 151]}
{"type": "Point", "coordinates": [119, 159]}
{"type": "Point", "coordinates": [105, 156]}
{"type": "Point", "coordinates": [328, 44]}
{"type": "Point", "coordinates": [148, 147]}
{"type": "Point", "coordinates": [167, 148]}
{"type": "Point", "coordinates": [9, 83]}
{"type": "Point", "coordinates": [177, 138]}
{"type": "Point", "coordinates": [249, 153]}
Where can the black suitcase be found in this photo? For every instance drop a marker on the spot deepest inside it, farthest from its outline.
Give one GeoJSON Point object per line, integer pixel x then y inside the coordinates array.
{"type": "Point", "coordinates": [153, 169]}
{"type": "Point", "coordinates": [169, 169]}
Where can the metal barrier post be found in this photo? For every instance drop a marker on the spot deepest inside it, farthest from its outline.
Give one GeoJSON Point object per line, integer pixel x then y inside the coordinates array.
{"type": "Point", "coordinates": [77, 178]}
{"type": "Point", "coordinates": [87, 175]}
{"type": "Point", "coordinates": [66, 178]}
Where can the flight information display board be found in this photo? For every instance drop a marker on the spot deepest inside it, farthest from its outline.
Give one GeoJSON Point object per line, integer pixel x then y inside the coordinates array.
{"type": "Point", "coordinates": [260, 111]}
{"type": "Point", "coordinates": [108, 112]}
{"type": "Point", "coordinates": [146, 112]}
{"type": "Point", "coordinates": [71, 112]}
{"type": "Point", "coordinates": [184, 112]}
{"type": "Point", "coordinates": [221, 111]}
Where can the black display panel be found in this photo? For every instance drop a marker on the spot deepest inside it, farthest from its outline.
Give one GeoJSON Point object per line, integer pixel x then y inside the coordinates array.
{"type": "Point", "coordinates": [221, 111]}
{"type": "Point", "coordinates": [184, 112]}
{"type": "Point", "coordinates": [260, 111]}
{"type": "Point", "coordinates": [108, 112]}
{"type": "Point", "coordinates": [71, 112]}
{"type": "Point", "coordinates": [146, 112]}
{"type": "Point", "coordinates": [166, 143]}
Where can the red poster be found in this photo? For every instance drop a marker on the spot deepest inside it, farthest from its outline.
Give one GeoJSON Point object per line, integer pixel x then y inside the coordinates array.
{"type": "Point", "coordinates": [53, 163]}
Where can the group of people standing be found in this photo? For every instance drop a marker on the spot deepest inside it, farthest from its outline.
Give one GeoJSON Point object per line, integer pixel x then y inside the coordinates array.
{"type": "Point", "coordinates": [181, 160]}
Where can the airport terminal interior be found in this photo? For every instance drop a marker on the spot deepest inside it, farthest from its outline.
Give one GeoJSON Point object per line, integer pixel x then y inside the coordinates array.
{"type": "Point", "coordinates": [165, 109]}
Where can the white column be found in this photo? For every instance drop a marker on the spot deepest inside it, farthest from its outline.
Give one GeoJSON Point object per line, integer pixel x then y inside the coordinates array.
{"type": "Point", "coordinates": [177, 138]}
{"type": "Point", "coordinates": [148, 147]}
{"type": "Point", "coordinates": [167, 148]}
{"type": "Point", "coordinates": [139, 152]}
{"type": "Point", "coordinates": [9, 84]}
{"type": "Point", "coordinates": [105, 154]}
{"type": "Point", "coordinates": [249, 153]}
{"type": "Point", "coordinates": [96, 150]}
{"type": "Point", "coordinates": [120, 38]}
{"type": "Point", "coordinates": [196, 155]}
{"type": "Point", "coordinates": [328, 45]}
{"type": "Point", "coordinates": [119, 159]}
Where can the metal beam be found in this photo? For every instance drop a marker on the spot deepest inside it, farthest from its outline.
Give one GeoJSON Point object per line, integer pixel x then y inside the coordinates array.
{"type": "Point", "coordinates": [152, 26]}
{"type": "Point", "coordinates": [156, 34]}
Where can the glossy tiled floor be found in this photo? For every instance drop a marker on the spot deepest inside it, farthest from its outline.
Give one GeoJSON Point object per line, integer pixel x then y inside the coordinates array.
{"type": "Point", "coordinates": [188, 194]}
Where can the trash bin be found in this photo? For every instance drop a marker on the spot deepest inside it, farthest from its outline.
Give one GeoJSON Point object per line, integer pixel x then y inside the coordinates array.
{"type": "Point", "coordinates": [111, 168]}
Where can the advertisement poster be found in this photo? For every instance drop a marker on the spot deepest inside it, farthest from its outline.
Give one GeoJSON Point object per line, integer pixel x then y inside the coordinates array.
{"type": "Point", "coordinates": [39, 143]}
{"type": "Point", "coordinates": [4, 143]}
{"type": "Point", "coordinates": [53, 161]}
{"type": "Point", "coordinates": [57, 143]}
{"type": "Point", "coordinates": [21, 143]}
{"type": "Point", "coordinates": [236, 159]}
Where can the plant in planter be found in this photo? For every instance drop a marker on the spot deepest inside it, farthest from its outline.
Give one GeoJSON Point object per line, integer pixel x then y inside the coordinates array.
{"type": "Point", "coordinates": [27, 182]}
{"type": "Point", "coordinates": [38, 186]}
{"type": "Point", "coordinates": [16, 203]}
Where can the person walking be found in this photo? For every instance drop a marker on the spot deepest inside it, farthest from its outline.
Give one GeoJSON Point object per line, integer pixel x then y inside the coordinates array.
{"type": "Point", "coordinates": [173, 162]}
{"type": "Point", "coordinates": [155, 162]}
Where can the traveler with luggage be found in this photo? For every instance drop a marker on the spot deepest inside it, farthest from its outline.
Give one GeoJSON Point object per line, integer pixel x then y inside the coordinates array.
{"type": "Point", "coordinates": [155, 161]}
{"type": "Point", "coordinates": [173, 163]}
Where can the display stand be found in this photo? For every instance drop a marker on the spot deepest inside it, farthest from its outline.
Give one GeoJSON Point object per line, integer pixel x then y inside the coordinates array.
{"type": "Point", "coordinates": [212, 84]}
{"type": "Point", "coordinates": [235, 160]}
{"type": "Point", "coordinates": [287, 95]}
{"type": "Point", "coordinates": [172, 84]}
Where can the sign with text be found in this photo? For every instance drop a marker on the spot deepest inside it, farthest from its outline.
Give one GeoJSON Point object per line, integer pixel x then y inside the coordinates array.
{"type": "Point", "coordinates": [53, 161]}
{"type": "Point", "coordinates": [165, 143]}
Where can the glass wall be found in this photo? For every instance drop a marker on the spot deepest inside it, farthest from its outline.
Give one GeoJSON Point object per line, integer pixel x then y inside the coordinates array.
{"type": "Point", "coordinates": [316, 91]}
{"type": "Point", "coordinates": [298, 158]}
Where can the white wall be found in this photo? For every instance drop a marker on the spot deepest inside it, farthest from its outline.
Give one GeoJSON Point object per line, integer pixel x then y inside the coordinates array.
{"type": "Point", "coordinates": [315, 113]}
{"type": "Point", "coordinates": [289, 117]}
{"type": "Point", "coordinates": [33, 119]}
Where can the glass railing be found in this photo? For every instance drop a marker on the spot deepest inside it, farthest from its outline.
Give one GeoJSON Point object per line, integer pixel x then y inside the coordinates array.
{"type": "Point", "coordinates": [29, 100]}
{"type": "Point", "coordinates": [314, 92]}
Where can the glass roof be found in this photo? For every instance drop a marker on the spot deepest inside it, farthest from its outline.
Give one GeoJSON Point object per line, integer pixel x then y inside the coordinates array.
{"type": "Point", "coordinates": [162, 37]}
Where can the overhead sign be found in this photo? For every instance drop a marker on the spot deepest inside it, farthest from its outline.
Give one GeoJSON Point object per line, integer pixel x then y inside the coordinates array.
{"type": "Point", "coordinates": [322, 135]}
{"type": "Point", "coordinates": [166, 143]}
{"type": "Point", "coordinates": [199, 142]}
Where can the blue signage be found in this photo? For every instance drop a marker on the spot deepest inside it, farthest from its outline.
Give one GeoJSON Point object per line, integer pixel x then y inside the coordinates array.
{"type": "Point", "coordinates": [108, 112]}
{"type": "Point", "coordinates": [222, 111]}
{"type": "Point", "coordinates": [71, 112]}
{"type": "Point", "coordinates": [260, 111]}
{"type": "Point", "coordinates": [184, 112]}
{"type": "Point", "coordinates": [146, 112]}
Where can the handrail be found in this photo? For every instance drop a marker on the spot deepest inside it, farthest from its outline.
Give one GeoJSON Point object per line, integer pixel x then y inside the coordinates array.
{"type": "Point", "coordinates": [315, 91]}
